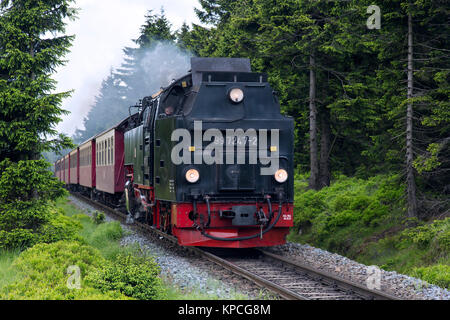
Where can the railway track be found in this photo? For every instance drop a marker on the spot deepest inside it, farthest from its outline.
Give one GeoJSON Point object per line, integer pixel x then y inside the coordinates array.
{"type": "Point", "coordinates": [288, 279]}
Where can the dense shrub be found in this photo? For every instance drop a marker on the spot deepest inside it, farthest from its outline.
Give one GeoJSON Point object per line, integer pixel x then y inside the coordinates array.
{"type": "Point", "coordinates": [350, 206]}
{"type": "Point", "coordinates": [108, 271]}
{"type": "Point", "coordinates": [59, 228]}
{"type": "Point", "coordinates": [98, 217]}
{"type": "Point", "coordinates": [17, 239]}
{"type": "Point", "coordinates": [134, 276]}
{"type": "Point", "coordinates": [25, 180]}
{"type": "Point", "coordinates": [26, 214]}
{"type": "Point", "coordinates": [43, 270]}
{"type": "Point", "coordinates": [436, 234]}
{"type": "Point", "coordinates": [26, 224]}
{"type": "Point", "coordinates": [438, 274]}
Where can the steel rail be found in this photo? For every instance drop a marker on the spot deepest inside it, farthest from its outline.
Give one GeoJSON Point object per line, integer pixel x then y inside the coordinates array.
{"type": "Point", "coordinates": [331, 279]}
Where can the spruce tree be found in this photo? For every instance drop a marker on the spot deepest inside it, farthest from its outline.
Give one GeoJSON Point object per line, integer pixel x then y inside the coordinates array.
{"type": "Point", "coordinates": [32, 45]}
{"type": "Point", "coordinates": [28, 57]}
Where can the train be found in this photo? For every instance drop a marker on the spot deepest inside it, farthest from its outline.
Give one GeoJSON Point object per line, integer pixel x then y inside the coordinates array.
{"type": "Point", "coordinates": [208, 159]}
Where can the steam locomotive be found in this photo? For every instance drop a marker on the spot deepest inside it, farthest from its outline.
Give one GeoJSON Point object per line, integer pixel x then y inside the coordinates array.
{"type": "Point", "coordinates": [208, 159]}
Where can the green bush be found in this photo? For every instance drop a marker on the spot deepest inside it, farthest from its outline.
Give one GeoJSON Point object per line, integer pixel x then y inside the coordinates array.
{"type": "Point", "coordinates": [24, 224]}
{"type": "Point", "coordinates": [436, 234]}
{"type": "Point", "coordinates": [43, 273]}
{"type": "Point", "coordinates": [364, 219]}
{"type": "Point", "coordinates": [17, 239]}
{"type": "Point", "coordinates": [59, 228]}
{"type": "Point", "coordinates": [349, 207]}
{"type": "Point", "coordinates": [26, 180]}
{"type": "Point", "coordinates": [24, 214]}
{"type": "Point", "coordinates": [98, 217]}
{"type": "Point", "coordinates": [133, 276]}
{"type": "Point", "coordinates": [437, 274]}
{"type": "Point", "coordinates": [27, 216]}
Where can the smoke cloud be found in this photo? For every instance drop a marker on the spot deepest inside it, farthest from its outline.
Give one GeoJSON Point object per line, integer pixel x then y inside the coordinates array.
{"type": "Point", "coordinates": [142, 74]}
{"type": "Point", "coordinates": [164, 63]}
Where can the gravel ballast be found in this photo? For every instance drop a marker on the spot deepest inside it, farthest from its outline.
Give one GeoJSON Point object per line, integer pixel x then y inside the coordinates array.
{"type": "Point", "coordinates": [402, 286]}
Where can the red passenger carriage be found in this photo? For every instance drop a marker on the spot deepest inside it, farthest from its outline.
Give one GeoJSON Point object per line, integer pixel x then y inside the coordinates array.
{"type": "Point", "coordinates": [66, 169]}
{"type": "Point", "coordinates": [73, 176]}
{"type": "Point", "coordinates": [109, 164]}
{"type": "Point", "coordinates": [87, 164]}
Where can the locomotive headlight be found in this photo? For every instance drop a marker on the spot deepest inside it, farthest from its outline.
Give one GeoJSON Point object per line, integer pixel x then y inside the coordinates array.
{"type": "Point", "coordinates": [192, 176]}
{"type": "Point", "coordinates": [281, 175]}
{"type": "Point", "coordinates": [236, 95]}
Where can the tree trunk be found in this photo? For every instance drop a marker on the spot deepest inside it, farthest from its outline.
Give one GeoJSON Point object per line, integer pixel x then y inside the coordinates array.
{"type": "Point", "coordinates": [411, 184]}
{"type": "Point", "coordinates": [314, 178]}
{"type": "Point", "coordinates": [35, 155]}
{"type": "Point", "coordinates": [325, 137]}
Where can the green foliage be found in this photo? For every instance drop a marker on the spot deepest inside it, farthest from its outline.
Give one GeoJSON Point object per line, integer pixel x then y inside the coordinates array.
{"type": "Point", "coordinates": [26, 217]}
{"type": "Point", "coordinates": [363, 219]}
{"type": "Point", "coordinates": [132, 275]}
{"type": "Point", "coordinates": [26, 214]}
{"type": "Point", "coordinates": [104, 237]}
{"type": "Point", "coordinates": [31, 48]}
{"type": "Point", "coordinates": [27, 180]}
{"type": "Point", "coordinates": [8, 274]}
{"type": "Point", "coordinates": [429, 161]}
{"type": "Point", "coordinates": [421, 251]}
{"type": "Point", "coordinates": [435, 236]}
{"type": "Point", "coordinates": [17, 239]}
{"type": "Point", "coordinates": [29, 111]}
{"type": "Point", "coordinates": [58, 228]}
{"type": "Point", "coordinates": [360, 87]}
{"type": "Point", "coordinates": [156, 28]}
{"type": "Point", "coordinates": [98, 217]}
{"type": "Point", "coordinates": [437, 274]}
{"type": "Point", "coordinates": [349, 207]}
{"type": "Point", "coordinates": [44, 276]}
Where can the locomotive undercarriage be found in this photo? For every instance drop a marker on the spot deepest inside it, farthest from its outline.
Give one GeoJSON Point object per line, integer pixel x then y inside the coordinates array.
{"type": "Point", "coordinates": [209, 221]}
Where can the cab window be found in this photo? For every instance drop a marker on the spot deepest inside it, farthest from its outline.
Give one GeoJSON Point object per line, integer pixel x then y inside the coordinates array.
{"type": "Point", "coordinates": [172, 102]}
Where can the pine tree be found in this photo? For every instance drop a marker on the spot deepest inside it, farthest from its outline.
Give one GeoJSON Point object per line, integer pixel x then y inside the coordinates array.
{"type": "Point", "coordinates": [215, 11]}
{"type": "Point", "coordinates": [155, 29]}
{"type": "Point", "coordinates": [31, 47]}
{"type": "Point", "coordinates": [414, 63]}
{"type": "Point", "coordinates": [29, 111]}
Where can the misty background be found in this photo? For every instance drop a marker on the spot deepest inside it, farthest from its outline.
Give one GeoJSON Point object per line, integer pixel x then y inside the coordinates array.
{"type": "Point", "coordinates": [144, 71]}
{"type": "Point", "coordinates": [155, 57]}
{"type": "Point", "coordinates": [103, 28]}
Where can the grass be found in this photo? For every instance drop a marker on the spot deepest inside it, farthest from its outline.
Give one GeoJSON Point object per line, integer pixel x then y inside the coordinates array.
{"type": "Point", "coordinates": [105, 236]}
{"type": "Point", "coordinates": [7, 272]}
